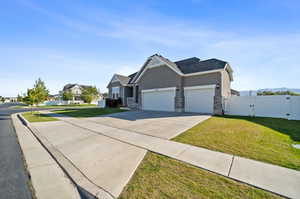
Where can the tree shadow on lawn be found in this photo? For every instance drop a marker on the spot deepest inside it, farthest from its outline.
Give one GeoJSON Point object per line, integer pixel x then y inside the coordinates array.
{"type": "Point", "coordinates": [121, 114]}
{"type": "Point", "coordinates": [284, 126]}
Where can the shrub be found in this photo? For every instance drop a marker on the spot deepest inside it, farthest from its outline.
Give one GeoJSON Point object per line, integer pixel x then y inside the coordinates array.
{"type": "Point", "coordinates": [113, 103]}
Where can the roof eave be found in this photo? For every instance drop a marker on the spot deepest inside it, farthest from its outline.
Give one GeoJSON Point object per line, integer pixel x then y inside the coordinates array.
{"type": "Point", "coordinates": [203, 72]}
{"type": "Point", "coordinates": [228, 67]}
{"type": "Point", "coordinates": [140, 73]}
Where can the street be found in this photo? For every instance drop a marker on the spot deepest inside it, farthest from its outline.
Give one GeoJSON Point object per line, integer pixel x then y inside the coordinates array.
{"type": "Point", "coordinates": [13, 177]}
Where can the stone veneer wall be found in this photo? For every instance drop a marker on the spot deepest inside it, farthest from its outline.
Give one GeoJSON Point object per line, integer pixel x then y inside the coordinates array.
{"type": "Point", "coordinates": [218, 102]}
{"type": "Point", "coordinates": [179, 97]}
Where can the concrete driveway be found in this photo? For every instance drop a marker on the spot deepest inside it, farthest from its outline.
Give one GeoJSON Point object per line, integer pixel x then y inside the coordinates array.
{"type": "Point", "coordinates": [106, 162]}
{"type": "Point", "coordinates": [159, 124]}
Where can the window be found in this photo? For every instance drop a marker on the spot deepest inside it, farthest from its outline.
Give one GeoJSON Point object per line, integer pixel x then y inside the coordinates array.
{"type": "Point", "coordinates": [115, 92]}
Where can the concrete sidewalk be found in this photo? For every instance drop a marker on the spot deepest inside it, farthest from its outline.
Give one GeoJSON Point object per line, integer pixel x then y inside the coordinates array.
{"type": "Point", "coordinates": [47, 178]}
{"type": "Point", "coordinates": [100, 165]}
{"type": "Point", "coordinates": [283, 181]}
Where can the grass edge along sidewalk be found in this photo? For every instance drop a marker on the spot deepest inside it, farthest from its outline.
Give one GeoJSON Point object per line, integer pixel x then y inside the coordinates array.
{"type": "Point", "coordinates": [264, 139]}
{"type": "Point", "coordinates": [36, 116]}
{"type": "Point", "coordinates": [88, 112]}
{"type": "Point", "coordinates": [161, 177]}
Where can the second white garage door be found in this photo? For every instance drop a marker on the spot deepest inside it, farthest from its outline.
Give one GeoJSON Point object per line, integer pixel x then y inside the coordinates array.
{"type": "Point", "coordinates": [199, 99]}
{"type": "Point", "coordinates": [158, 99]}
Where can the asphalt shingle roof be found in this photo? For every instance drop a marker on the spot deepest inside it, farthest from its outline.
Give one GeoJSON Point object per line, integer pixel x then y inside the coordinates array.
{"type": "Point", "coordinates": [185, 66]}
{"type": "Point", "coordinates": [131, 77]}
{"type": "Point", "coordinates": [124, 80]}
{"type": "Point", "coordinates": [193, 65]}
{"type": "Point", "coordinates": [68, 86]}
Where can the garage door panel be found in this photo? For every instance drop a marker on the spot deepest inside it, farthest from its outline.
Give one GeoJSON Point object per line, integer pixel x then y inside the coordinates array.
{"type": "Point", "coordinates": [199, 100]}
{"type": "Point", "coordinates": [159, 100]}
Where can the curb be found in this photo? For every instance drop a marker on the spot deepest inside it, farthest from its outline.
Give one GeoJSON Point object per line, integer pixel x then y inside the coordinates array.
{"type": "Point", "coordinates": [28, 131]}
{"type": "Point", "coordinates": [84, 194]}
{"type": "Point", "coordinates": [23, 120]}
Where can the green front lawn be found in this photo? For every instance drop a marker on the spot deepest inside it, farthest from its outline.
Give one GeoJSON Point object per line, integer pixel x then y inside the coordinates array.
{"type": "Point", "coordinates": [264, 139]}
{"type": "Point", "coordinates": [69, 106]}
{"type": "Point", "coordinates": [37, 117]}
{"type": "Point", "coordinates": [57, 106]}
{"type": "Point", "coordinates": [88, 112]}
{"type": "Point", "coordinates": [162, 177]}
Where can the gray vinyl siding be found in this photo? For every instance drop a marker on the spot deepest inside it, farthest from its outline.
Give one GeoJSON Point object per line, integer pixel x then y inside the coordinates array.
{"type": "Point", "coordinates": [159, 77]}
{"type": "Point", "coordinates": [201, 80]}
{"type": "Point", "coordinates": [113, 84]}
{"type": "Point", "coordinates": [207, 79]}
{"type": "Point", "coordinates": [125, 91]}
{"type": "Point", "coordinates": [164, 77]}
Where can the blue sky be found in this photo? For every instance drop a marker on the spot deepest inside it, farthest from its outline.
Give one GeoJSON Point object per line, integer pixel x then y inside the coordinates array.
{"type": "Point", "coordinates": [87, 41]}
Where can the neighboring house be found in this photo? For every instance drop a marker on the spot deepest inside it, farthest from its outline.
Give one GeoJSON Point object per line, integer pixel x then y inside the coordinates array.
{"type": "Point", "coordinates": [189, 85]}
{"type": "Point", "coordinates": [76, 90]}
{"type": "Point", "coordinates": [55, 97]}
{"type": "Point", "coordinates": [10, 99]}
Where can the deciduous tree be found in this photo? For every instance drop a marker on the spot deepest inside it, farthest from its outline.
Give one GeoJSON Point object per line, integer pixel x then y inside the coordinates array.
{"type": "Point", "coordinates": [89, 93]}
{"type": "Point", "coordinates": [67, 95]}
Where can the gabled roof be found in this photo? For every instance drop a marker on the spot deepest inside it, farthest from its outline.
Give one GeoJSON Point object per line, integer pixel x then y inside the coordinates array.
{"type": "Point", "coordinates": [188, 66]}
{"type": "Point", "coordinates": [170, 63]}
{"type": "Point", "coordinates": [123, 79]}
{"type": "Point", "coordinates": [131, 77]}
{"type": "Point", "coordinates": [161, 60]}
{"type": "Point", "coordinates": [185, 67]}
{"type": "Point", "coordinates": [187, 61]}
{"type": "Point", "coordinates": [68, 86]}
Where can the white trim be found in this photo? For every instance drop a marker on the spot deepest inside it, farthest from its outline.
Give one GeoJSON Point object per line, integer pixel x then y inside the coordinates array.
{"type": "Point", "coordinates": [118, 88]}
{"type": "Point", "coordinates": [230, 71]}
{"type": "Point", "coordinates": [200, 87]}
{"type": "Point", "coordinates": [123, 100]}
{"type": "Point", "coordinates": [184, 75]}
{"type": "Point", "coordinates": [136, 79]}
{"type": "Point", "coordinates": [229, 67]}
{"type": "Point", "coordinates": [158, 89]}
{"type": "Point", "coordinates": [112, 80]}
{"type": "Point", "coordinates": [157, 65]}
{"type": "Point", "coordinates": [203, 72]}
{"type": "Point", "coordinates": [115, 78]}
{"type": "Point", "coordinates": [176, 71]}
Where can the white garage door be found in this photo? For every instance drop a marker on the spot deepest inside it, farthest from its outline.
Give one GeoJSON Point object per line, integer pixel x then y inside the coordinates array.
{"type": "Point", "coordinates": [199, 99]}
{"type": "Point", "coordinates": [158, 99]}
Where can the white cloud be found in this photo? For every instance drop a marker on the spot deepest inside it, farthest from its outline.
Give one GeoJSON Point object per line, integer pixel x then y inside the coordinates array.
{"type": "Point", "coordinates": [259, 60]}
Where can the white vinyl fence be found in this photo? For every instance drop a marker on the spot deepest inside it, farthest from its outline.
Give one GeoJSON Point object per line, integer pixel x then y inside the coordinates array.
{"type": "Point", "coordinates": [101, 103]}
{"type": "Point", "coordinates": [278, 106]}
{"type": "Point", "coordinates": [61, 102]}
